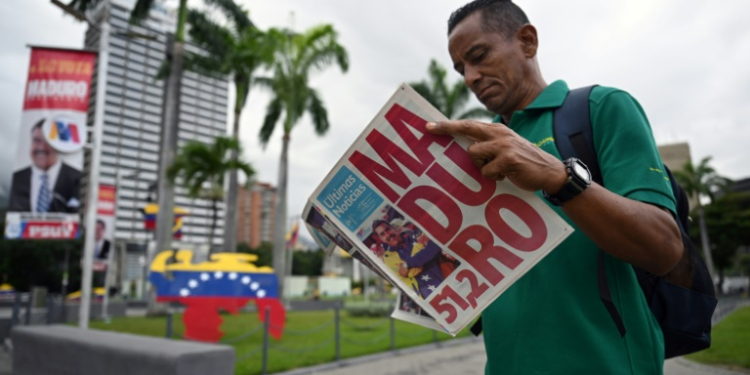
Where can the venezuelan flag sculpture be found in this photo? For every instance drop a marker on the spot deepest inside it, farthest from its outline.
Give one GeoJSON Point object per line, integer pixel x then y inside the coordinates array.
{"type": "Point", "coordinates": [227, 281]}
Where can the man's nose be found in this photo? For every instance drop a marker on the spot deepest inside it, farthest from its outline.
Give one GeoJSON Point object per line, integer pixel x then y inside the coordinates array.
{"type": "Point", "coordinates": [472, 77]}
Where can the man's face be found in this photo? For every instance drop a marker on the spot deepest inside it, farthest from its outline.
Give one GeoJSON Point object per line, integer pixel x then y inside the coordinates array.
{"type": "Point", "coordinates": [99, 231]}
{"type": "Point", "coordinates": [493, 67]}
{"type": "Point", "coordinates": [387, 235]}
{"type": "Point", "coordinates": [42, 155]}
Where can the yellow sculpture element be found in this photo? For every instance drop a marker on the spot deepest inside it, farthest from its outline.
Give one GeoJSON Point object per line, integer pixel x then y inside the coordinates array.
{"type": "Point", "coordinates": [6, 288]}
{"type": "Point", "coordinates": [225, 262]}
{"type": "Point", "coordinates": [97, 292]}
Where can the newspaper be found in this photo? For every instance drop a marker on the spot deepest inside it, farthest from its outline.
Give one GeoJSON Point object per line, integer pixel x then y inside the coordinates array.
{"type": "Point", "coordinates": [414, 208]}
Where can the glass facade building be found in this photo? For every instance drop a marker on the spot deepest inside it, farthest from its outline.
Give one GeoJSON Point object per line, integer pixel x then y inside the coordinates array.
{"type": "Point", "coordinates": [132, 128]}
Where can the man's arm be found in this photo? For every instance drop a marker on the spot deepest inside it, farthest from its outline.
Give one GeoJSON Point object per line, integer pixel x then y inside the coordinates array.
{"type": "Point", "coordinates": [635, 232]}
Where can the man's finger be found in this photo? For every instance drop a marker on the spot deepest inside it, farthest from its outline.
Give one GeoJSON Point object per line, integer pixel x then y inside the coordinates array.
{"type": "Point", "coordinates": [474, 130]}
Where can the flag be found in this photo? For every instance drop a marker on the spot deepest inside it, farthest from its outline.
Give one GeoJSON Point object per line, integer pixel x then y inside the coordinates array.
{"type": "Point", "coordinates": [291, 237]}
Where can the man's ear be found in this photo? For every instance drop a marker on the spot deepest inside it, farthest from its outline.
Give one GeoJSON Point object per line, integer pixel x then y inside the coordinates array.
{"type": "Point", "coordinates": [529, 40]}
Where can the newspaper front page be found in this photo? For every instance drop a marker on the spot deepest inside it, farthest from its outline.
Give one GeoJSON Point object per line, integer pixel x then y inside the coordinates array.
{"type": "Point", "coordinates": [413, 207]}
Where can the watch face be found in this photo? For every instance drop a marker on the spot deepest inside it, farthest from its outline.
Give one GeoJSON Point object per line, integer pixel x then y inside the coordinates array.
{"type": "Point", "coordinates": [582, 172]}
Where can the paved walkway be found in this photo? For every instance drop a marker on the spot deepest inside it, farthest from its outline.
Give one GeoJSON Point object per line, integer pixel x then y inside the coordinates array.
{"type": "Point", "coordinates": [465, 356]}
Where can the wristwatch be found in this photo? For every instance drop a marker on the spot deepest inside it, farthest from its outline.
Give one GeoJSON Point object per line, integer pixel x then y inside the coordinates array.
{"type": "Point", "coordinates": [579, 178]}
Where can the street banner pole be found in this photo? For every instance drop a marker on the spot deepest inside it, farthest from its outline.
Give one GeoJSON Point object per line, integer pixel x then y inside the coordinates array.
{"type": "Point", "coordinates": [96, 154]}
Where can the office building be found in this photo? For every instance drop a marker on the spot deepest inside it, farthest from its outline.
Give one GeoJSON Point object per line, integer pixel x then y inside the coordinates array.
{"type": "Point", "coordinates": [132, 129]}
{"type": "Point", "coordinates": [255, 214]}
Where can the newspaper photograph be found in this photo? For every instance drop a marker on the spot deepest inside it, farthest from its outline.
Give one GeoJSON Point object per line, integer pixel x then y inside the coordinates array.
{"type": "Point", "coordinates": [415, 206]}
{"type": "Point", "coordinates": [409, 311]}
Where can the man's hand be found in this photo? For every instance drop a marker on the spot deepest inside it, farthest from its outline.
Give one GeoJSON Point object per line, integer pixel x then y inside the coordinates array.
{"type": "Point", "coordinates": [501, 153]}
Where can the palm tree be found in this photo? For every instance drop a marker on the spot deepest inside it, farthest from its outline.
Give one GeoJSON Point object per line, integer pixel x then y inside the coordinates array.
{"type": "Point", "coordinates": [170, 123]}
{"type": "Point", "coordinates": [449, 100]}
{"type": "Point", "coordinates": [297, 57]}
{"type": "Point", "coordinates": [200, 164]}
{"type": "Point", "coordinates": [702, 181]}
{"type": "Point", "coordinates": [237, 51]}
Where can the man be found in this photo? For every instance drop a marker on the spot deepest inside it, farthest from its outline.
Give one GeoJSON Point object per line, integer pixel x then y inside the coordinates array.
{"type": "Point", "coordinates": [415, 251]}
{"type": "Point", "coordinates": [552, 320]}
{"type": "Point", "coordinates": [48, 185]}
{"type": "Point", "coordinates": [101, 249]}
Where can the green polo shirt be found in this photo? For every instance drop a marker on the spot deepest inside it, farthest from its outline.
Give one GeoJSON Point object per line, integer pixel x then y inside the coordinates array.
{"type": "Point", "coordinates": [552, 320]}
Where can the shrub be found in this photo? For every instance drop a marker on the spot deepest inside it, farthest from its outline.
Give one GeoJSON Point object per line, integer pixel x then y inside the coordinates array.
{"type": "Point", "coordinates": [370, 309]}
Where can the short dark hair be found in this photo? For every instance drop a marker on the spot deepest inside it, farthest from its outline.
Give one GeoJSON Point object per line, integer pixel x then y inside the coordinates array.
{"type": "Point", "coordinates": [38, 125]}
{"type": "Point", "coordinates": [100, 221]}
{"type": "Point", "coordinates": [501, 16]}
{"type": "Point", "coordinates": [378, 223]}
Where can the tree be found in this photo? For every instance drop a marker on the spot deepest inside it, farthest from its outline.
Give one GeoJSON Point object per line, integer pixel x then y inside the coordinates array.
{"type": "Point", "coordinates": [308, 263]}
{"type": "Point", "coordinates": [448, 99]}
{"type": "Point", "coordinates": [697, 182]}
{"type": "Point", "coordinates": [237, 51]}
{"type": "Point", "coordinates": [24, 264]}
{"type": "Point", "coordinates": [297, 57]}
{"type": "Point", "coordinates": [728, 220]}
{"type": "Point", "coordinates": [264, 252]}
{"type": "Point", "coordinates": [202, 168]}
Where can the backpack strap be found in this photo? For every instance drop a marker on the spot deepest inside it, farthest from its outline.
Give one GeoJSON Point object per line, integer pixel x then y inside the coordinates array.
{"type": "Point", "coordinates": [574, 137]}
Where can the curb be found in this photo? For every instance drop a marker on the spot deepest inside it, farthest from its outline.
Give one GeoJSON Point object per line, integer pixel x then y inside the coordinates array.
{"type": "Point", "coordinates": [322, 368]}
{"type": "Point", "coordinates": [706, 369]}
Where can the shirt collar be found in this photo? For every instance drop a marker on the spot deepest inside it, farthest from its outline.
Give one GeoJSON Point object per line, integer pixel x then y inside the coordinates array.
{"type": "Point", "coordinates": [52, 172]}
{"type": "Point", "coordinates": [551, 97]}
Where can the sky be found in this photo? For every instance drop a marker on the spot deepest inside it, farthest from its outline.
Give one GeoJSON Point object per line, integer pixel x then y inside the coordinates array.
{"type": "Point", "coordinates": [685, 61]}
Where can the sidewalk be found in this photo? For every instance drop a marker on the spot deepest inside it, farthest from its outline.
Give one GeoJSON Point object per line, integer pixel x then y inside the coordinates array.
{"type": "Point", "coordinates": [463, 356]}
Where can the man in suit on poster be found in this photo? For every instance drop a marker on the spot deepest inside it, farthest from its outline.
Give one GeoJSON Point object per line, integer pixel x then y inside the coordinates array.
{"type": "Point", "coordinates": [102, 245]}
{"type": "Point", "coordinates": [48, 185]}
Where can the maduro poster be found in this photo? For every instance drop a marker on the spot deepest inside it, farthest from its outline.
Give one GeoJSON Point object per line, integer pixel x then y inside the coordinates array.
{"type": "Point", "coordinates": [45, 190]}
{"type": "Point", "coordinates": [105, 227]}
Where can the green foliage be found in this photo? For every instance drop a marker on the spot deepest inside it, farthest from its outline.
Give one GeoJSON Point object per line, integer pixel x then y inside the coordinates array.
{"type": "Point", "coordinates": [198, 163]}
{"type": "Point", "coordinates": [728, 223]}
{"type": "Point", "coordinates": [238, 49]}
{"type": "Point", "coordinates": [264, 253]}
{"type": "Point", "coordinates": [138, 14]}
{"type": "Point", "coordinates": [449, 99]}
{"type": "Point", "coordinates": [26, 263]}
{"type": "Point", "coordinates": [297, 56]}
{"type": "Point", "coordinates": [308, 263]}
{"type": "Point", "coordinates": [729, 342]}
{"type": "Point", "coordinates": [369, 308]}
{"type": "Point", "coordinates": [701, 179]}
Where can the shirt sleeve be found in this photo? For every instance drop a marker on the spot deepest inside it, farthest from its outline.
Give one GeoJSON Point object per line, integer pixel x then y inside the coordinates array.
{"type": "Point", "coordinates": [628, 157]}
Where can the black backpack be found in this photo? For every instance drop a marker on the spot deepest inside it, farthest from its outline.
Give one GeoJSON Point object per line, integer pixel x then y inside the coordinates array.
{"type": "Point", "coordinates": [682, 301]}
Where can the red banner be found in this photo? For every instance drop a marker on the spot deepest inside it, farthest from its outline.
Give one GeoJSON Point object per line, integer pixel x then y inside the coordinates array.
{"type": "Point", "coordinates": [45, 199]}
{"type": "Point", "coordinates": [107, 200]}
{"type": "Point", "coordinates": [49, 230]}
{"type": "Point", "coordinates": [59, 79]}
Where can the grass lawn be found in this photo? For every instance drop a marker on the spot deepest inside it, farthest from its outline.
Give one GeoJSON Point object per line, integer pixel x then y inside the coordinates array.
{"type": "Point", "coordinates": [730, 342]}
{"type": "Point", "coordinates": [308, 337]}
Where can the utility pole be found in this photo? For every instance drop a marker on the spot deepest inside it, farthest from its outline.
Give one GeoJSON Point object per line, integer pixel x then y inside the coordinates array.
{"type": "Point", "coordinates": [95, 162]}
